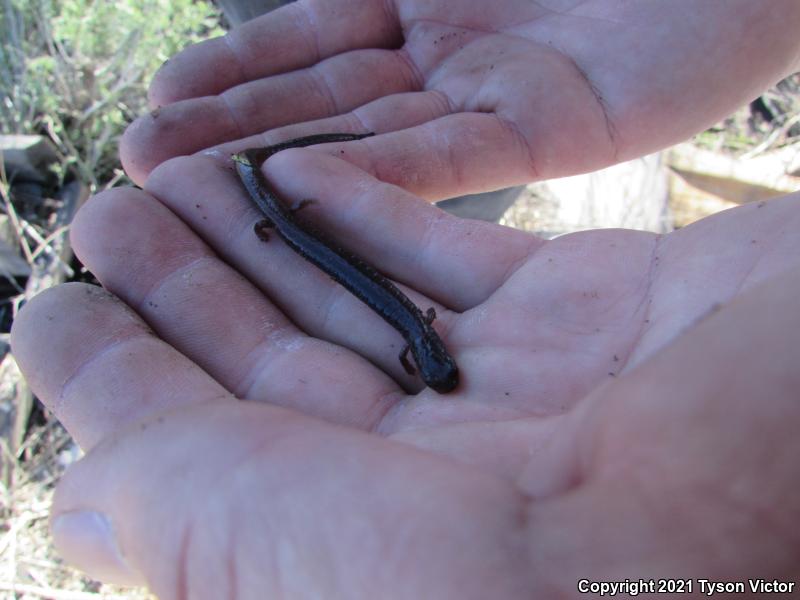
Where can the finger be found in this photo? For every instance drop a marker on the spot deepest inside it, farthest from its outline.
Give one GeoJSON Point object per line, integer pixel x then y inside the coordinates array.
{"type": "Point", "coordinates": [425, 150]}
{"type": "Point", "coordinates": [334, 86]}
{"type": "Point", "coordinates": [214, 204]}
{"type": "Point", "coordinates": [457, 262]}
{"type": "Point", "coordinates": [148, 257]}
{"type": "Point", "coordinates": [539, 455]}
{"type": "Point", "coordinates": [460, 153]}
{"type": "Point", "coordinates": [251, 513]}
{"type": "Point", "coordinates": [127, 505]}
{"type": "Point", "coordinates": [97, 365]}
{"type": "Point", "coordinates": [390, 113]}
{"type": "Point", "coordinates": [292, 37]}
{"type": "Point", "coordinates": [697, 409]}
{"type": "Point", "coordinates": [687, 425]}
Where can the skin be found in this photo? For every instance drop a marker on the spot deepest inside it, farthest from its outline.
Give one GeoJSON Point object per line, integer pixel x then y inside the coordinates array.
{"type": "Point", "coordinates": [629, 401]}
{"type": "Point", "coordinates": [628, 405]}
{"type": "Point", "coordinates": [468, 96]}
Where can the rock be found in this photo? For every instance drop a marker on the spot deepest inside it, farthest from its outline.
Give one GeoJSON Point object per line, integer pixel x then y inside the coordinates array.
{"type": "Point", "coordinates": [28, 158]}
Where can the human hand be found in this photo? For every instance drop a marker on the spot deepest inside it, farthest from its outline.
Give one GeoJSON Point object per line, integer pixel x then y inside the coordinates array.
{"type": "Point", "coordinates": [627, 406]}
{"type": "Point", "coordinates": [469, 96]}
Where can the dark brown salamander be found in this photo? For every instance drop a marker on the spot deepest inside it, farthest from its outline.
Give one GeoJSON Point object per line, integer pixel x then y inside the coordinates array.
{"type": "Point", "coordinates": [436, 366]}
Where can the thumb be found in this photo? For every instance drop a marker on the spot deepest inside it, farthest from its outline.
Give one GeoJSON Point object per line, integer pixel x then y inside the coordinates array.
{"type": "Point", "coordinates": [250, 501]}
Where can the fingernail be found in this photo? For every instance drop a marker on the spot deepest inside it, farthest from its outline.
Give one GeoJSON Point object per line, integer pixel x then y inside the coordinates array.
{"type": "Point", "coordinates": [86, 539]}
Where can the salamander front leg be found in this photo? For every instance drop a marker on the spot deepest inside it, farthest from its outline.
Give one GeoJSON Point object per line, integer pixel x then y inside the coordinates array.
{"type": "Point", "coordinates": [262, 229]}
{"type": "Point", "coordinates": [300, 204]}
{"type": "Point", "coordinates": [405, 362]}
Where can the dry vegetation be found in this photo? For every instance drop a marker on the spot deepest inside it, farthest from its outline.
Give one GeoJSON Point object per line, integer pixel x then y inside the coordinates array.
{"type": "Point", "coordinates": [74, 72]}
{"type": "Point", "coordinates": [752, 155]}
{"type": "Point", "coordinates": [79, 93]}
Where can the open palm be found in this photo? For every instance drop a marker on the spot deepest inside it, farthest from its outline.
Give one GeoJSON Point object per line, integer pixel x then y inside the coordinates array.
{"type": "Point", "coordinates": [469, 96]}
{"type": "Point", "coordinates": [600, 429]}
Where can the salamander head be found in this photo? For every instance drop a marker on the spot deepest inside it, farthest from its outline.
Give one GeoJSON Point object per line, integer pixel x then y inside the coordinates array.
{"type": "Point", "coordinates": [436, 367]}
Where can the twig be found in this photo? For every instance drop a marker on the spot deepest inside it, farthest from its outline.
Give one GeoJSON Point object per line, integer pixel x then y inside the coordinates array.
{"type": "Point", "coordinates": [68, 149]}
{"type": "Point", "coordinates": [15, 222]}
{"type": "Point", "coordinates": [21, 226]}
{"type": "Point", "coordinates": [7, 461]}
{"type": "Point", "coordinates": [776, 133]}
{"type": "Point", "coordinates": [118, 174]}
{"type": "Point", "coordinates": [43, 246]}
{"type": "Point", "coordinates": [45, 243]}
{"type": "Point", "coordinates": [11, 535]}
{"type": "Point", "coordinates": [54, 594]}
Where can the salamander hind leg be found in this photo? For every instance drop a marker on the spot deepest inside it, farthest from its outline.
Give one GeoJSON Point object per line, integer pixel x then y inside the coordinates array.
{"type": "Point", "coordinates": [405, 362]}
{"type": "Point", "coordinates": [262, 229]}
{"type": "Point", "coordinates": [430, 315]}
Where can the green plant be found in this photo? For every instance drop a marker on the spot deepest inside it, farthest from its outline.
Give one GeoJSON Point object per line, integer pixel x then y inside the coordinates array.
{"type": "Point", "coordinates": [77, 70]}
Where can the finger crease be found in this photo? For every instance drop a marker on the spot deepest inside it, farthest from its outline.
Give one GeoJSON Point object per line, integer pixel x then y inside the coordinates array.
{"type": "Point", "coordinates": [304, 11]}
{"type": "Point", "coordinates": [182, 581]}
{"type": "Point", "coordinates": [357, 124]}
{"type": "Point", "coordinates": [646, 303]}
{"type": "Point", "coordinates": [426, 242]}
{"type": "Point", "coordinates": [144, 334]}
{"type": "Point", "coordinates": [223, 97]}
{"type": "Point", "coordinates": [611, 128]}
{"type": "Point", "coordinates": [415, 78]}
{"type": "Point", "coordinates": [325, 88]}
{"type": "Point", "coordinates": [522, 141]}
{"type": "Point", "coordinates": [262, 355]}
{"type": "Point", "coordinates": [448, 107]}
{"type": "Point", "coordinates": [226, 39]}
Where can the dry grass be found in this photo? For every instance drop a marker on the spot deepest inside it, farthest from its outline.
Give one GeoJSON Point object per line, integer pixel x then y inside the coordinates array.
{"type": "Point", "coordinates": [30, 567]}
{"type": "Point", "coordinates": [74, 71]}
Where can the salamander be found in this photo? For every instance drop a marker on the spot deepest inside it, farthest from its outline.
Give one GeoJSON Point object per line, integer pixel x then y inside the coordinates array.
{"type": "Point", "coordinates": [437, 368]}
